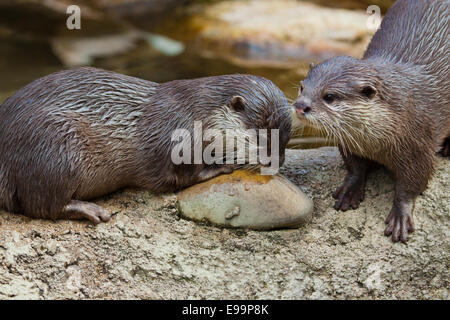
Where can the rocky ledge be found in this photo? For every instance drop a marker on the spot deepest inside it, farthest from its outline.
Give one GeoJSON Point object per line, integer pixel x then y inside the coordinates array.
{"type": "Point", "coordinates": [147, 251]}
{"type": "Point", "coordinates": [281, 32]}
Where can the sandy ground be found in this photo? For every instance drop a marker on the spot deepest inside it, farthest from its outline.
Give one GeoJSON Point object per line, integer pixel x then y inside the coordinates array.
{"type": "Point", "coordinates": [147, 251]}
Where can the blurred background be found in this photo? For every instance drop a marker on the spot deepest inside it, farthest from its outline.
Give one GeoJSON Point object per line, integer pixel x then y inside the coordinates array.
{"type": "Point", "coordinates": [163, 40]}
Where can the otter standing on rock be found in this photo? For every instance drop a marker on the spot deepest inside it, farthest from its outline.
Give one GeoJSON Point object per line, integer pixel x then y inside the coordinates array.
{"type": "Point", "coordinates": [390, 108]}
{"type": "Point", "coordinates": [80, 134]}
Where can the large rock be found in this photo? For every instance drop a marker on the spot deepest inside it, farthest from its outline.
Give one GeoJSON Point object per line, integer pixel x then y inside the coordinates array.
{"type": "Point", "coordinates": [147, 251]}
{"type": "Point", "coordinates": [246, 200]}
{"type": "Point", "coordinates": [279, 32]}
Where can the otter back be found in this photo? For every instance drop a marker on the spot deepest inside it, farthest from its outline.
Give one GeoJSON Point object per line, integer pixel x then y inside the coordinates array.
{"type": "Point", "coordinates": [56, 126]}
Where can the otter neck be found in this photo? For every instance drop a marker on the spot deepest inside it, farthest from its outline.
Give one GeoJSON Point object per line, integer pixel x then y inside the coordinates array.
{"type": "Point", "coordinates": [402, 85]}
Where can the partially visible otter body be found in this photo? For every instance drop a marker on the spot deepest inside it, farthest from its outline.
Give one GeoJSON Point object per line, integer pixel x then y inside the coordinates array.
{"type": "Point", "coordinates": [390, 108]}
{"type": "Point", "coordinates": [83, 133]}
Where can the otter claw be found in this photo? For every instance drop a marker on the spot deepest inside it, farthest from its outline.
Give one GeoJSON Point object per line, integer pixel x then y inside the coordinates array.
{"type": "Point", "coordinates": [398, 226]}
{"type": "Point", "coordinates": [349, 195]}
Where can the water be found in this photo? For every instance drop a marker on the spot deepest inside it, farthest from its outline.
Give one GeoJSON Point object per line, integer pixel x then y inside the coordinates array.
{"type": "Point", "coordinates": [24, 59]}
{"type": "Point", "coordinates": [23, 62]}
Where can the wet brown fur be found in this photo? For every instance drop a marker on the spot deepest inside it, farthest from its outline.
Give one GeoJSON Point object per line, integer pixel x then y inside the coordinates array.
{"type": "Point", "coordinates": [390, 108]}
{"type": "Point", "coordinates": [83, 133]}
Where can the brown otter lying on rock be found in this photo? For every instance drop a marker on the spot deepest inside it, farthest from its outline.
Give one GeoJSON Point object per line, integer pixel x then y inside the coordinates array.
{"type": "Point", "coordinates": [390, 108]}
{"type": "Point", "coordinates": [80, 134]}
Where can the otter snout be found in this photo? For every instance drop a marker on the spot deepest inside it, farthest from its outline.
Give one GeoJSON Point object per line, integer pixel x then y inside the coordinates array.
{"type": "Point", "coordinates": [302, 106]}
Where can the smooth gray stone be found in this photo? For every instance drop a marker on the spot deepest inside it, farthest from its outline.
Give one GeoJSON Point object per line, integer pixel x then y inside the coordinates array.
{"type": "Point", "coordinates": [246, 200]}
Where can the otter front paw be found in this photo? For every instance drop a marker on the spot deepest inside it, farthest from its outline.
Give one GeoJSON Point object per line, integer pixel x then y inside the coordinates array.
{"type": "Point", "coordinates": [350, 194]}
{"type": "Point", "coordinates": [209, 173]}
{"type": "Point", "coordinates": [445, 152]}
{"type": "Point", "coordinates": [399, 223]}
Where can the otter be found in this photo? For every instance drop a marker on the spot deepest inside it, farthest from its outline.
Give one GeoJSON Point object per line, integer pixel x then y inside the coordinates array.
{"type": "Point", "coordinates": [390, 108]}
{"type": "Point", "coordinates": [79, 134]}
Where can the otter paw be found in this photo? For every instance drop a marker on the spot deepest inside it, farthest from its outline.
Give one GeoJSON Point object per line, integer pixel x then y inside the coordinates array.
{"type": "Point", "coordinates": [227, 170]}
{"type": "Point", "coordinates": [86, 210]}
{"type": "Point", "coordinates": [399, 225]}
{"type": "Point", "coordinates": [349, 195]}
{"type": "Point", "coordinates": [209, 173]}
{"type": "Point", "coordinates": [445, 152]}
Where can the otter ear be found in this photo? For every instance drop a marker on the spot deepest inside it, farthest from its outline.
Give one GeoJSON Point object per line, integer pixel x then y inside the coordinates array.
{"type": "Point", "coordinates": [237, 103]}
{"type": "Point", "coordinates": [368, 91]}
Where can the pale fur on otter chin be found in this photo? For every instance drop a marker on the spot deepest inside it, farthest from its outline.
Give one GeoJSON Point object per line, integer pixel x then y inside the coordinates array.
{"type": "Point", "coordinates": [360, 127]}
{"type": "Point", "coordinates": [225, 119]}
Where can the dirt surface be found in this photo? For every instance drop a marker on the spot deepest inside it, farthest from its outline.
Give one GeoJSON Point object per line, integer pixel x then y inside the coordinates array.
{"type": "Point", "coordinates": [147, 251]}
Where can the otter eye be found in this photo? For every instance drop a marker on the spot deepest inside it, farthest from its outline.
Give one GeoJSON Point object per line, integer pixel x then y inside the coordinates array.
{"type": "Point", "coordinates": [301, 88]}
{"type": "Point", "coordinates": [329, 98]}
{"type": "Point", "coordinates": [368, 91]}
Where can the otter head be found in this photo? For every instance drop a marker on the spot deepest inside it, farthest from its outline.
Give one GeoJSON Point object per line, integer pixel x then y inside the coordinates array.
{"type": "Point", "coordinates": [247, 103]}
{"type": "Point", "coordinates": [342, 98]}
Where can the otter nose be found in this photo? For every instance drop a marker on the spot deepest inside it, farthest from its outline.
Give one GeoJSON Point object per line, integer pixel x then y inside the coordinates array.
{"type": "Point", "coordinates": [302, 106]}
